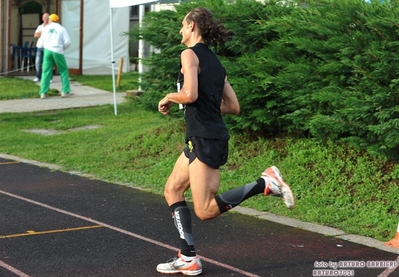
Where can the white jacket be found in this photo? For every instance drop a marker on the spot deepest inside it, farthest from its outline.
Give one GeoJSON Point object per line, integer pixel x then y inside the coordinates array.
{"type": "Point", "coordinates": [55, 38]}
{"type": "Point", "coordinates": [39, 43]}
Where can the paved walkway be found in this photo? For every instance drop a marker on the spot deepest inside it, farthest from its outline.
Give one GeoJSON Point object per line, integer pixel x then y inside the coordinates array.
{"type": "Point", "coordinates": [83, 96]}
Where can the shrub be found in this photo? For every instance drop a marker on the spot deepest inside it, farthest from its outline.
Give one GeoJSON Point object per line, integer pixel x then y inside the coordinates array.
{"type": "Point", "coordinates": [324, 68]}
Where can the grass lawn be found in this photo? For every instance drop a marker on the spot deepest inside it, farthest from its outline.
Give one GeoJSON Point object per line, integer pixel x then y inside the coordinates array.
{"type": "Point", "coordinates": [18, 88]}
{"type": "Point", "coordinates": [334, 185]}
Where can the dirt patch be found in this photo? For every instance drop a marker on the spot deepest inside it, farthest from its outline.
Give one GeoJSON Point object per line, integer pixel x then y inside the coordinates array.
{"type": "Point", "coordinates": [49, 132]}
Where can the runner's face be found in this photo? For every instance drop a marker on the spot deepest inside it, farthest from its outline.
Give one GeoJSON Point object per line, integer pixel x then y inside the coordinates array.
{"type": "Point", "coordinates": [185, 31]}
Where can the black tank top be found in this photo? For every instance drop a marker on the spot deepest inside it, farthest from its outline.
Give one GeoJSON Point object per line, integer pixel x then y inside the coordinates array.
{"type": "Point", "coordinates": [203, 117]}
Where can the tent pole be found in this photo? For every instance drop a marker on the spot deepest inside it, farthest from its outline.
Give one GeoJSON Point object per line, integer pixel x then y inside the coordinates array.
{"type": "Point", "coordinates": [141, 44]}
{"type": "Point", "coordinates": [112, 59]}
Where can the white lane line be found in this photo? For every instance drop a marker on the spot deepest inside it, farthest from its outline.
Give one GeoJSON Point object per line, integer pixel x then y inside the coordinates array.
{"type": "Point", "coordinates": [158, 243]}
{"type": "Point", "coordinates": [12, 269]}
{"type": "Point", "coordinates": [388, 271]}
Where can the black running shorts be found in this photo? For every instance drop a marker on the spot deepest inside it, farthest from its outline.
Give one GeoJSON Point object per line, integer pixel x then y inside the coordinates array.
{"type": "Point", "coordinates": [211, 152]}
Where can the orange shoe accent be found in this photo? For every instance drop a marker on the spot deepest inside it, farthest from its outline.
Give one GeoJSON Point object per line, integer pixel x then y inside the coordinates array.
{"type": "Point", "coordinates": [266, 191]}
{"type": "Point", "coordinates": [193, 267]}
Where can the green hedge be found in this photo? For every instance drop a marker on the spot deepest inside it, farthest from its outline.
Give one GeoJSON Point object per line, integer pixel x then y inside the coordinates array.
{"type": "Point", "coordinates": [327, 68]}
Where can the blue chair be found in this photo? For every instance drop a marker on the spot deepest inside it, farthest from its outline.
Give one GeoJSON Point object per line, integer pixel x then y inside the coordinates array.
{"type": "Point", "coordinates": [16, 55]}
{"type": "Point", "coordinates": [33, 50]}
{"type": "Point", "coordinates": [26, 54]}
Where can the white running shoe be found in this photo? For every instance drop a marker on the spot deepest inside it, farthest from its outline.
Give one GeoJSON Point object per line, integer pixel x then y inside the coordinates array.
{"type": "Point", "coordinates": [36, 80]}
{"type": "Point", "coordinates": [276, 186]}
{"type": "Point", "coordinates": [178, 265]}
{"type": "Point", "coordinates": [43, 96]}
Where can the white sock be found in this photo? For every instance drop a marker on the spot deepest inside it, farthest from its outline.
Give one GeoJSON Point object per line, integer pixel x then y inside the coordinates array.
{"type": "Point", "coordinates": [186, 258]}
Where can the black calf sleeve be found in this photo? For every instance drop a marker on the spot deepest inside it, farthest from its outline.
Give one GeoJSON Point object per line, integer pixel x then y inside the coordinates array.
{"type": "Point", "coordinates": [229, 199]}
{"type": "Point", "coordinates": [182, 219]}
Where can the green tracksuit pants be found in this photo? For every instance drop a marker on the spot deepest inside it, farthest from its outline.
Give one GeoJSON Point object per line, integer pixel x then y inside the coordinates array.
{"type": "Point", "coordinates": [49, 60]}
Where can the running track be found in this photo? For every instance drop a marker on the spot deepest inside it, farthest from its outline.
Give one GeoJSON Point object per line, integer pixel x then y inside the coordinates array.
{"type": "Point", "coordinates": [61, 224]}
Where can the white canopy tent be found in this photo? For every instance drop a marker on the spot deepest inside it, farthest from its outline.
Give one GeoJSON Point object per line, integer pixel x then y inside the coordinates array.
{"type": "Point", "coordinates": [87, 23]}
{"type": "Point", "coordinates": [120, 4]}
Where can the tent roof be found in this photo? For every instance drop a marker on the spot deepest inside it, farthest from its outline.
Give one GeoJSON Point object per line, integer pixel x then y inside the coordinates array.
{"type": "Point", "coordinates": [127, 3]}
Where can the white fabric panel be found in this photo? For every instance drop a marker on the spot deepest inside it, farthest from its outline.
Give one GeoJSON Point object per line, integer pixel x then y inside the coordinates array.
{"type": "Point", "coordinates": [70, 20]}
{"type": "Point", "coordinates": [96, 53]}
{"type": "Point", "coordinates": [127, 3]}
{"type": "Point", "coordinates": [96, 38]}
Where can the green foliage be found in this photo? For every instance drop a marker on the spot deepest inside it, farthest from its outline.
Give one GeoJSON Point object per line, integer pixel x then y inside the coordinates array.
{"type": "Point", "coordinates": [161, 32]}
{"type": "Point", "coordinates": [327, 68]}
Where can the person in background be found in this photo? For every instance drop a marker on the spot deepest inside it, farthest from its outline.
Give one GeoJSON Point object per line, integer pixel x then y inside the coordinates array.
{"type": "Point", "coordinates": [206, 94]}
{"type": "Point", "coordinates": [39, 50]}
{"type": "Point", "coordinates": [55, 39]}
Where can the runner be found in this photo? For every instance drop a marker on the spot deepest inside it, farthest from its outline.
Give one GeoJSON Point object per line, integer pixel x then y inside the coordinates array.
{"type": "Point", "coordinates": [206, 94]}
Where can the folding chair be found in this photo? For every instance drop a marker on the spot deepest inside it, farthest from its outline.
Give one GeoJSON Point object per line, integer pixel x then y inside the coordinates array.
{"type": "Point", "coordinates": [33, 50]}
{"type": "Point", "coordinates": [16, 55]}
{"type": "Point", "coordinates": [26, 55]}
